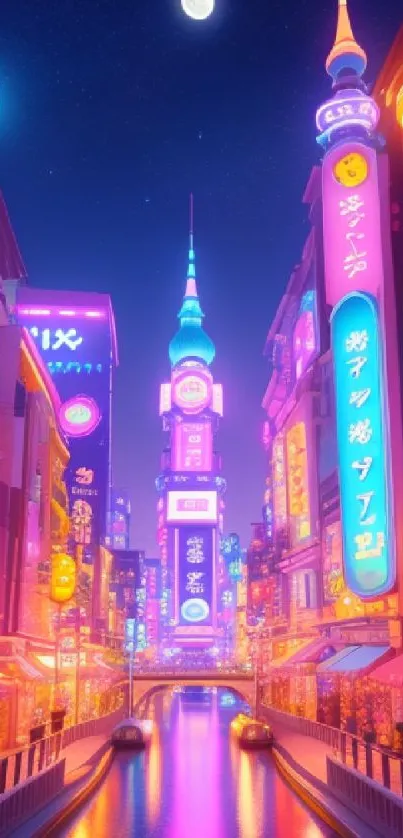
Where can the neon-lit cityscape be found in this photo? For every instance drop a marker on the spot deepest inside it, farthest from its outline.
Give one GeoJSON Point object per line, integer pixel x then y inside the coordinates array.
{"type": "Point", "coordinates": [215, 684]}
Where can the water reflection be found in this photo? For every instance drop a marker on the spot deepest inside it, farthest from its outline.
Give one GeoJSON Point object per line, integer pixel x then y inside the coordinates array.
{"type": "Point", "coordinates": [194, 782]}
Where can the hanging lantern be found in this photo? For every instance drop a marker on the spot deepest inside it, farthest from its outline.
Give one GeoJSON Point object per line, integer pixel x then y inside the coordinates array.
{"type": "Point", "coordinates": [63, 577]}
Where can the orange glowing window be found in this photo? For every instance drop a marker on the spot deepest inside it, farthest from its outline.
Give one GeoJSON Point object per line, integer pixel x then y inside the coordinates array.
{"type": "Point", "coordinates": [399, 107]}
{"type": "Point", "coordinates": [297, 478]}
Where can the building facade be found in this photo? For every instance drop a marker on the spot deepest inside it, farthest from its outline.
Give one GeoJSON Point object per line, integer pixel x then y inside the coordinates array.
{"type": "Point", "coordinates": [34, 508]}
{"type": "Point", "coordinates": [333, 417]}
{"type": "Point", "coordinates": [190, 486]}
{"type": "Point", "coordinates": [75, 335]}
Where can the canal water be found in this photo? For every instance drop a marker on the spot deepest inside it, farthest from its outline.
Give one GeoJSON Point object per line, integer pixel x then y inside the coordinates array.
{"type": "Point", "coordinates": [194, 782]}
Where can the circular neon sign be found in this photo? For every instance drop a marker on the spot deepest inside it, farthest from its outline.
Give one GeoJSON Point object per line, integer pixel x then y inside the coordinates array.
{"type": "Point", "coordinates": [195, 610]}
{"type": "Point", "coordinates": [192, 392]}
{"type": "Point", "coordinates": [351, 170]}
{"type": "Point", "coordinates": [79, 416]}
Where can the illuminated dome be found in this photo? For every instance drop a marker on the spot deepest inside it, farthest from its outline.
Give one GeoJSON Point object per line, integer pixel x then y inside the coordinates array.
{"type": "Point", "coordinates": [191, 341]}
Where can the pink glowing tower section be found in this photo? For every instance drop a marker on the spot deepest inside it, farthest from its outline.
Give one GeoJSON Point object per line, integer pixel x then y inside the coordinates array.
{"type": "Point", "coordinates": [192, 447]}
{"type": "Point", "coordinates": [351, 222]}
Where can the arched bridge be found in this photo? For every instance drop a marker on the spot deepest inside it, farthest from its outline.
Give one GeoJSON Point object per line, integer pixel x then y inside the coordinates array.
{"type": "Point", "coordinates": [241, 683]}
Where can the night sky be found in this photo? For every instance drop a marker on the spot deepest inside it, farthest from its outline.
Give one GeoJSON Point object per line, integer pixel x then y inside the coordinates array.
{"type": "Point", "coordinates": [111, 112]}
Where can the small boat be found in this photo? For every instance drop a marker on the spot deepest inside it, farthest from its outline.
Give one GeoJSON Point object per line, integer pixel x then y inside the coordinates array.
{"type": "Point", "coordinates": [132, 733]}
{"type": "Point", "coordinates": [251, 733]}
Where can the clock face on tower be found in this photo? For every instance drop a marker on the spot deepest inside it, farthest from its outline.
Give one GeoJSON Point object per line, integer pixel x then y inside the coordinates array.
{"type": "Point", "coordinates": [351, 170]}
{"type": "Point", "coordinates": [192, 391]}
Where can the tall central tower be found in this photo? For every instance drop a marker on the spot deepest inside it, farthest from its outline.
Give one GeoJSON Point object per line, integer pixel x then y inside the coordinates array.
{"type": "Point", "coordinates": [190, 488]}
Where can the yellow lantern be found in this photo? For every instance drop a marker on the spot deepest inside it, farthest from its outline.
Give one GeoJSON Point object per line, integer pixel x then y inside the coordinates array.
{"type": "Point", "coordinates": [63, 578]}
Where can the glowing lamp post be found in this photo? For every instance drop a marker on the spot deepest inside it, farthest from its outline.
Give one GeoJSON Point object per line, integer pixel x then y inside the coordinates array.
{"type": "Point", "coordinates": [62, 587]}
{"type": "Point", "coordinates": [198, 9]}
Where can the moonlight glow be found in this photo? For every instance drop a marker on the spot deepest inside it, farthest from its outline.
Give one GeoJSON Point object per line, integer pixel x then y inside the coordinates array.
{"type": "Point", "coordinates": [198, 9]}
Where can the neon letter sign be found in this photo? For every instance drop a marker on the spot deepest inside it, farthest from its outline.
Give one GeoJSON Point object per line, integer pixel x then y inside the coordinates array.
{"type": "Point", "coordinates": [369, 559]}
{"type": "Point", "coordinates": [351, 222]}
{"type": "Point", "coordinates": [57, 339]}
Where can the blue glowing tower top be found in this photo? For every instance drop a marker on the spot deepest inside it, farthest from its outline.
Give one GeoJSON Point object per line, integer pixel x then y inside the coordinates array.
{"type": "Point", "coordinates": [191, 341]}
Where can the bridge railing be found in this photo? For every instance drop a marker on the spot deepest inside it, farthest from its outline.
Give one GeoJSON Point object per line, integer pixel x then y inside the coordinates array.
{"type": "Point", "coordinates": [21, 765]}
{"type": "Point", "coordinates": [373, 761]}
{"type": "Point", "coordinates": [183, 672]}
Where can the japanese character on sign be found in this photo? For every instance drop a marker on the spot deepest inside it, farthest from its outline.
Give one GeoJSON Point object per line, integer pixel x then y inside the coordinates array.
{"type": "Point", "coordinates": [360, 431]}
{"type": "Point", "coordinates": [352, 209]}
{"type": "Point", "coordinates": [356, 261]}
{"type": "Point", "coordinates": [363, 466]}
{"type": "Point", "coordinates": [357, 341]}
{"type": "Point", "coordinates": [194, 583]}
{"type": "Point", "coordinates": [359, 397]}
{"type": "Point", "coordinates": [356, 365]}
{"type": "Point", "coordinates": [194, 551]}
{"type": "Point", "coordinates": [365, 519]}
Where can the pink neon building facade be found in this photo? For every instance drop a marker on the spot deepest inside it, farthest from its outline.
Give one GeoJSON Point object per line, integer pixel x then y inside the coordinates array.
{"type": "Point", "coordinates": [76, 337]}
{"type": "Point", "coordinates": [333, 405]}
{"type": "Point", "coordinates": [190, 488]}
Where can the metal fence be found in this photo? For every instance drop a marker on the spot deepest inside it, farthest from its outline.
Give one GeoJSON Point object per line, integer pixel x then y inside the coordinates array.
{"type": "Point", "coordinates": [23, 764]}
{"type": "Point", "coordinates": [373, 761]}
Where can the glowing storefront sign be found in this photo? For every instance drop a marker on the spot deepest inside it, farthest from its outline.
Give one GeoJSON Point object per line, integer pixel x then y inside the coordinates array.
{"type": "Point", "coordinates": [192, 506]}
{"type": "Point", "coordinates": [297, 478]}
{"type": "Point", "coordinates": [279, 483]}
{"type": "Point", "coordinates": [369, 560]}
{"type": "Point", "coordinates": [195, 575]}
{"type": "Point", "coordinates": [55, 339]}
{"type": "Point", "coordinates": [192, 391]}
{"type": "Point", "coordinates": [351, 222]}
{"type": "Point", "coordinates": [79, 416]}
{"type": "Point", "coordinates": [304, 334]}
{"type": "Point", "coordinates": [192, 446]}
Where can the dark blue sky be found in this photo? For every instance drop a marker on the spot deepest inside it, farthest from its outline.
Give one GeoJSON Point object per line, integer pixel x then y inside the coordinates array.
{"type": "Point", "coordinates": [112, 111]}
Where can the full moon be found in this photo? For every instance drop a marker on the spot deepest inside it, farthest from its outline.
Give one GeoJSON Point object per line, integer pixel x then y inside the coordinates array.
{"type": "Point", "coordinates": [198, 9]}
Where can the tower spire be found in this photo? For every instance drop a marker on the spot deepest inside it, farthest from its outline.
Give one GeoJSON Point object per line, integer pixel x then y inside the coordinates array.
{"type": "Point", "coordinates": [346, 57]}
{"type": "Point", "coordinates": [191, 289]}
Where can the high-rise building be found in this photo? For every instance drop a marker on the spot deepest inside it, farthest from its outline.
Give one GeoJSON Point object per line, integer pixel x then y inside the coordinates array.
{"type": "Point", "coordinates": [119, 528]}
{"type": "Point", "coordinates": [190, 487]}
{"type": "Point", "coordinates": [75, 335]}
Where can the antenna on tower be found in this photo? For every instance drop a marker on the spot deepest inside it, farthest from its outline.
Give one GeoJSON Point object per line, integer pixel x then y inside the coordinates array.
{"type": "Point", "coordinates": [191, 221]}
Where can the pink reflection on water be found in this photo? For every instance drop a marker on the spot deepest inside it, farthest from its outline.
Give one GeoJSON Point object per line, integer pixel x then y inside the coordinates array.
{"type": "Point", "coordinates": [196, 786]}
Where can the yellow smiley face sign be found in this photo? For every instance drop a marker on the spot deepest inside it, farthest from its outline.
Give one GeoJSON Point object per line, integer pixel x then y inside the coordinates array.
{"type": "Point", "coordinates": [351, 170]}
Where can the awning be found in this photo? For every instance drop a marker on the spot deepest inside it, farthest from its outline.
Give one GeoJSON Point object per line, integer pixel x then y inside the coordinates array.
{"type": "Point", "coordinates": [281, 661]}
{"type": "Point", "coordinates": [318, 650]}
{"type": "Point", "coordinates": [19, 669]}
{"type": "Point", "coordinates": [390, 673]}
{"type": "Point", "coordinates": [354, 659]}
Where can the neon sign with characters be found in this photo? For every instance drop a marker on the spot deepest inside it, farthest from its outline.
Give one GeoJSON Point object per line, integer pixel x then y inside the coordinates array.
{"type": "Point", "coordinates": [192, 392]}
{"type": "Point", "coordinates": [369, 556]}
{"type": "Point", "coordinates": [351, 222]}
{"type": "Point", "coordinates": [79, 416]}
{"type": "Point", "coordinates": [192, 446]}
{"type": "Point", "coordinates": [195, 560]}
{"type": "Point", "coordinates": [55, 339]}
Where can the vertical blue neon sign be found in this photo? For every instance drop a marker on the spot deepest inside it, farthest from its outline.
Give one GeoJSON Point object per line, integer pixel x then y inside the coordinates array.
{"type": "Point", "coordinates": [369, 557]}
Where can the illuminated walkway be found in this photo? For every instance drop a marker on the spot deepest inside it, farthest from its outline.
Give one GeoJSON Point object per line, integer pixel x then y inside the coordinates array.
{"type": "Point", "coordinates": [194, 782]}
